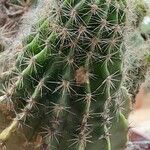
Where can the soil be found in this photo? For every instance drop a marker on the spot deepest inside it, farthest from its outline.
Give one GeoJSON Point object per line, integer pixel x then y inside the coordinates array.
{"type": "Point", "coordinates": [11, 15]}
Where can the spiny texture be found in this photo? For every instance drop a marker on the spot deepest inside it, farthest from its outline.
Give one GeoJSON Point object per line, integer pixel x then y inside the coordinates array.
{"type": "Point", "coordinates": [67, 81]}
{"type": "Point", "coordinates": [136, 64]}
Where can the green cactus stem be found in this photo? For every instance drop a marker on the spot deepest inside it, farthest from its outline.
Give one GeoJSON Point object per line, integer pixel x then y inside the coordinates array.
{"type": "Point", "coordinates": [70, 73]}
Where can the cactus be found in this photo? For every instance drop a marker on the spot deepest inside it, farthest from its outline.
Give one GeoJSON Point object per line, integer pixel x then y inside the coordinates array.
{"type": "Point", "coordinates": [141, 11]}
{"type": "Point", "coordinates": [138, 48]}
{"type": "Point", "coordinates": [68, 78]}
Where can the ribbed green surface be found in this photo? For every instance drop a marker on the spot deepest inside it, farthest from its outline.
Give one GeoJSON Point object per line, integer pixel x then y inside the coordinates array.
{"type": "Point", "coordinates": [70, 72]}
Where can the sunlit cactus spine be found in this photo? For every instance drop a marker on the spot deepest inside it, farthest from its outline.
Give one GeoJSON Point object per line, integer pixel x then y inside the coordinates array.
{"type": "Point", "coordinates": [68, 78]}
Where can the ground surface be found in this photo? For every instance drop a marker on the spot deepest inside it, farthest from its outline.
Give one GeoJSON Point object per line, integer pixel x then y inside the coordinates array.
{"type": "Point", "coordinates": [139, 121]}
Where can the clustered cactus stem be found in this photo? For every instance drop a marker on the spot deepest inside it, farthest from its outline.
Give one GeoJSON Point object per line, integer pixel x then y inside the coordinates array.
{"type": "Point", "coordinates": [69, 75]}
